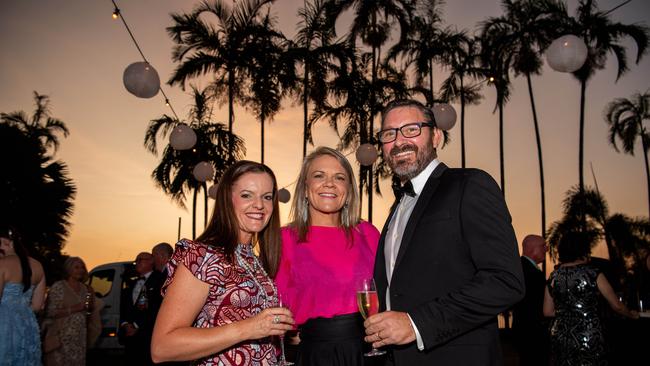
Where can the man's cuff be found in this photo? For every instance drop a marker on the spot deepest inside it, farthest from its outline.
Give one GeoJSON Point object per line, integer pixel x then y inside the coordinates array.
{"type": "Point", "coordinates": [418, 338]}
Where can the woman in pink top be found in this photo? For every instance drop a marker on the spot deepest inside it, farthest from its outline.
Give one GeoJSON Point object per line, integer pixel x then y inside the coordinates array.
{"type": "Point", "coordinates": [326, 251]}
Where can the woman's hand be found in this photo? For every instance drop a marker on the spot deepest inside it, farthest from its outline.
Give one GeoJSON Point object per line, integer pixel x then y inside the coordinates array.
{"type": "Point", "coordinates": [269, 322]}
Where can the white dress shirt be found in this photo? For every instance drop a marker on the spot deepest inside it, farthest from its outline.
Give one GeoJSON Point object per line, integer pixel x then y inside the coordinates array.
{"type": "Point", "coordinates": [396, 229]}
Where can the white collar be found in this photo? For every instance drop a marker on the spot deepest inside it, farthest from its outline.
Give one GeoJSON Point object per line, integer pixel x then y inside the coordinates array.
{"type": "Point", "coordinates": [421, 179]}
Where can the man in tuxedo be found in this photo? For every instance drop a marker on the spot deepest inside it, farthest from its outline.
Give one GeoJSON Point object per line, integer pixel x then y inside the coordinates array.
{"type": "Point", "coordinates": [162, 252]}
{"type": "Point", "coordinates": [529, 327]}
{"type": "Point", "coordinates": [140, 303]}
{"type": "Point", "coordinates": [447, 262]}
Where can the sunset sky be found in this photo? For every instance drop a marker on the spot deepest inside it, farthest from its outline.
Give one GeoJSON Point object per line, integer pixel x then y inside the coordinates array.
{"type": "Point", "coordinates": [76, 53]}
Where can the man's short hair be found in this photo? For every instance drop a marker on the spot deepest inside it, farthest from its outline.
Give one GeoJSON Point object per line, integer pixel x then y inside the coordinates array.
{"type": "Point", "coordinates": [411, 103]}
{"type": "Point", "coordinates": [165, 248]}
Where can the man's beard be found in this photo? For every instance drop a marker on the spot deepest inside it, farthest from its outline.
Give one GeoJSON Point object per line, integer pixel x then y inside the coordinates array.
{"type": "Point", "coordinates": [408, 170]}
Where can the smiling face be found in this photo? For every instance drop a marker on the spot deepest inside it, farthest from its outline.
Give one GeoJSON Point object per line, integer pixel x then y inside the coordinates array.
{"type": "Point", "coordinates": [408, 156]}
{"type": "Point", "coordinates": [78, 270]}
{"type": "Point", "coordinates": [327, 190]}
{"type": "Point", "coordinates": [252, 201]}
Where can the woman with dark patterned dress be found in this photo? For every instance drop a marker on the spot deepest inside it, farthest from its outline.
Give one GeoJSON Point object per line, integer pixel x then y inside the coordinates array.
{"type": "Point", "coordinates": [571, 297]}
{"type": "Point", "coordinates": [220, 305]}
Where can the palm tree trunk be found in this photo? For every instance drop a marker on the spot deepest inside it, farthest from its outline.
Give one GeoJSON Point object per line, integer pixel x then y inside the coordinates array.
{"type": "Point", "coordinates": [462, 123]}
{"type": "Point", "coordinates": [231, 114]}
{"type": "Point", "coordinates": [262, 133]}
{"type": "Point", "coordinates": [205, 205]}
{"type": "Point", "coordinates": [501, 154]}
{"type": "Point", "coordinates": [538, 140]}
{"type": "Point", "coordinates": [305, 110]}
{"type": "Point", "coordinates": [583, 90]}
{"type": "Point", "coordinates": [644, 145]}
{"type": "Point", "coordinates": [433, 94]}
{"type": "Point", "coordinates": [196, 190]}
{"type": "Point", "coordinates": [371, 124]}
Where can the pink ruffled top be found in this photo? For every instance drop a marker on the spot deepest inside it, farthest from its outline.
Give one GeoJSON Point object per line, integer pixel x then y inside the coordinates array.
{"type": "Point", "coordinates": [319, 277]}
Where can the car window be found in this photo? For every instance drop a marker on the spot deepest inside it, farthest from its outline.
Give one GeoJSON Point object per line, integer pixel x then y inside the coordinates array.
{"type": "Point", "coordinates": [102, 281]}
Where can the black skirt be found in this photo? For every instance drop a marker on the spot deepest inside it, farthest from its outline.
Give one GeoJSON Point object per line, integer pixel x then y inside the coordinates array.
{"type": "Point", "coordinates": [336, 341]}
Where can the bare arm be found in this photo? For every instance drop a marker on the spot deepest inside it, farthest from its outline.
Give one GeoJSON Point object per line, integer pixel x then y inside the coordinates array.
{"type": "Point", "coordinates": [609, 294]}
{"type": "Point", "coordinates": [549, 305]}
{"type": "Point", "coordinates": [38, 298]}
{"type": "Point", "coordinates": [174, 338]}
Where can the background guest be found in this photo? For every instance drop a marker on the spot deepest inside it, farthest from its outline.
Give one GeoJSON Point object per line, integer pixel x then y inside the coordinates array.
{"type": "Point", "coordinates": [529, 326]}
{"type": "Point", "coordinates": [571, 296]}
{"type": "Point", "coordinates": [140, 304]}
{"type": "Point", "coordinates": [220, 303]}
{"type": "Point", "coordinates": [22, 291]}
{"type": "Point", "coordinates": [69, 302]}
{"type": "Point", "coordinates": [162, 252]}
{"type": "Point", "coordinates": [326, 251]}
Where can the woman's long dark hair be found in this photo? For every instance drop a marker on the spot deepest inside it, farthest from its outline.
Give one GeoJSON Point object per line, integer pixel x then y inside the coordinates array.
{"type": "Point", "coordinates": [11, 234]}
{"type": "Point", "coordinates": [223, 229]}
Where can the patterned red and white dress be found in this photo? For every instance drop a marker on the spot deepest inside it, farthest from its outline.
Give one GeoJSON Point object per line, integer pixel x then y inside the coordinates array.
{"type": "Point", "coordinates": [233, 296]}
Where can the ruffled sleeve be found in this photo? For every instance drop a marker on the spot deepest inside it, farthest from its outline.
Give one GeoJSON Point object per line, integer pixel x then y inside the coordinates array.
{"type": "Point", "coordinates": [196, 257]}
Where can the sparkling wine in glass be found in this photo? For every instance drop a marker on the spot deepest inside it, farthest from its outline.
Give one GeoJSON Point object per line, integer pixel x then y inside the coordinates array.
{"type": "Point", "coordinates": [368, 303]}
{"type": "Point", "coordinates": [283, 360]}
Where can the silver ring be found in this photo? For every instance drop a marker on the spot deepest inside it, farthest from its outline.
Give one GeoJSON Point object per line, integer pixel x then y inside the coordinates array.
{"type": "Point", "coordinates": [276, 319]}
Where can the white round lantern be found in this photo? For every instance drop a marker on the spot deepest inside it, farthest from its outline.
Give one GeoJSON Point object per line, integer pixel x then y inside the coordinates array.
{"type": "Point", "coordinates": [212, 192]}
{"type": "Point", "coordinates": [284, 195]}
{"type": "Point", "coordinates": [203, 171]}
{"type": "Point", "coordinates": [141, 80]}
{"type": "Point", "coordinates": [445, 116]}
{"type": "Point", "coordinates": [567, 53]}
{"type": "Point", "coordinates": [366, 154]}
{"type": "Point", "coordinates": [182, 137]}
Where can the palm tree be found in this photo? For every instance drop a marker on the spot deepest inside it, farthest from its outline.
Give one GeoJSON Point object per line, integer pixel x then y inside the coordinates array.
{"type": "Point", "coordinates": [30, 177]}
{"type": "Point", "coordinates": [174, 172]}
{"type": "Point", "coordinates": [41, 125]}
{"type": "Point", "coordinates": [586, 213]}
{"type": "Point", "coordinates": [497, 71]}
{"type": "Point", "coordinates": [270, 73]}
{"type": "Point", "coordinates": [320, 55]}
{"type": "Point", "coordinates": [425, 45]}
{"type": "Point", "coordinates": [602, 36]}
{"type": "Point", "coordinates": [372, 23]}
{"type": "Point", "coordinates": [525, 30]}
{"type": "Point", "coordinates": [625, 119]}
{"type": "Point", "coordinates": [462, 65]}
{"type": "Point", "coordinates": [223, 49]}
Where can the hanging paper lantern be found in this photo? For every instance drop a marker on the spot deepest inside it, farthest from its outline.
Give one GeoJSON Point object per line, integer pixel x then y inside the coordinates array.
{"type": "Point", "coordinates": [284, 195]}
{"type": "Point", "coordinates": [182, 137]}
{"type": "Point", "coordinates": [212, 192]}
{"type": "Point", "coordinates": [366, 154]}
{"type": "Point", "coordinates": [567, 53]}
{"type": "Point", "coordinates": [445, 116]}
{"type": "Point", "coordinates": [141, 80]}
{"type": "Point", "coordinates": [203, 171]}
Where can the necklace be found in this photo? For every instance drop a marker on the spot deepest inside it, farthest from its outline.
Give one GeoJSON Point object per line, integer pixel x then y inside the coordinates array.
{"type": "Point", "coordinates": [251, 273]}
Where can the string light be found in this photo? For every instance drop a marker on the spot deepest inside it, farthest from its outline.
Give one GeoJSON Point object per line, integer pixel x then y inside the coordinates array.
{"type": "Point", "coordinates": [118, 14]}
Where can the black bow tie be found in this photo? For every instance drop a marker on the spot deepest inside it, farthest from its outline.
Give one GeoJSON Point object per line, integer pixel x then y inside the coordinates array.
{"type": "Point", "coordinates": [400, 190]}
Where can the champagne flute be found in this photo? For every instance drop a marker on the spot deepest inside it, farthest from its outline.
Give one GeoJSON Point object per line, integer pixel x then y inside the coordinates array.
{"type": "Point", "coordinates": [368, 303]}
{"type": "Point", "coordinates": [283, 361]}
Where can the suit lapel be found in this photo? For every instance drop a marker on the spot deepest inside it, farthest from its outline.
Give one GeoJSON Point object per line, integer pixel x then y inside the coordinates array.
{"type": "Point", "coordinates": [423, 201]}
{"type": "Point", "coordinates": [380, 261]}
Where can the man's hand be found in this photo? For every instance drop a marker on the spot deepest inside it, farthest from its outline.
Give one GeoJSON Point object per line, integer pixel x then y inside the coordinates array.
{"type": "Point", "coordinates": [389, 327]}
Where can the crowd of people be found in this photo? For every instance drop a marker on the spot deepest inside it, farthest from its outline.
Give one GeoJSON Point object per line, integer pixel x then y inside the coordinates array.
{"type": "Point", "coordinates": [445, 264]}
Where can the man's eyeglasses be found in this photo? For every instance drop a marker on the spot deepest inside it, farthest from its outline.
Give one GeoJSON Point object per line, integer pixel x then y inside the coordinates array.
{"type": "Point", "coordinates": [408, 130]}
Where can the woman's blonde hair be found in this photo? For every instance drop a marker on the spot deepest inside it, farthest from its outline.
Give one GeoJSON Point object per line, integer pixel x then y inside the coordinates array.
{"type": "Point", "coordinates": [299, 215]}
{"type": "Point", "coordinates": [67, 266]}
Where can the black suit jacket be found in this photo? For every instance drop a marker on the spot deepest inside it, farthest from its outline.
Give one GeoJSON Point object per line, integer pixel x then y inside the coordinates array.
{"type": "Point", "coordinates": [456, 269]}
{"type": "Point", "coordinates": [138, 346]}
{"type": "Point", "coordinates": [529, 326]}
